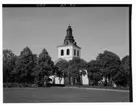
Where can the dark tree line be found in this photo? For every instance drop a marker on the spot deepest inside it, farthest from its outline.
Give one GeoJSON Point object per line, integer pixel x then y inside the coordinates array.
{"type": "Point", "coordinates": [33, 69]}
{"type": "Point", "coordinates": [27, 67]}
{"type": "Point", "coordinates": [106, 69]}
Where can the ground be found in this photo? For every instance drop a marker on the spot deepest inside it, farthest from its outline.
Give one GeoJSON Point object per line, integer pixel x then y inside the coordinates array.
{"type": "Point", "coordinates": [62, 94]}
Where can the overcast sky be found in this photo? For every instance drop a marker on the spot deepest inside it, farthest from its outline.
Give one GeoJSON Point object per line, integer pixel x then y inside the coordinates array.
{"type": "Point", "coordinates": [95, 29]}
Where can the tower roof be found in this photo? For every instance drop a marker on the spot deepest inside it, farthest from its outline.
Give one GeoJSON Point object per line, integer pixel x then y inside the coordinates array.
{"type": "Point", "coordinates": [69, 39]}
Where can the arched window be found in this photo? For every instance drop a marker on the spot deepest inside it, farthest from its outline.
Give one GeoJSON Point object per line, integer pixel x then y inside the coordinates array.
{"type": "Point", "coordinates": [77, 53]}
{"type": "Point", "coordinates": [62, 52]}
{"type": "Point", "coordinates": [74, 51]}
{"type": "Point", "coordinates": [68, 51]}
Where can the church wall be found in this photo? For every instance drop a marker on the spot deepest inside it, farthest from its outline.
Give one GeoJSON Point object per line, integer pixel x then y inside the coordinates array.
{"type": "Point", "coordinates": [77, 49]}
{"type": "Point", "coordinates": [56, 80]}
{"type": "Point", "coordinates": [59, 80]}
{"type": "Point", "coordinates": [65, 56]}
{"type": "Point", "coordinates": [85, 80]}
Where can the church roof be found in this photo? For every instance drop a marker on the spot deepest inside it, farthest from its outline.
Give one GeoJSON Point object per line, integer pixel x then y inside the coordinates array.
{"type": "Point", "coordinates": [69, 45]}
{"type": "Point", "coordinates": [69, 39]}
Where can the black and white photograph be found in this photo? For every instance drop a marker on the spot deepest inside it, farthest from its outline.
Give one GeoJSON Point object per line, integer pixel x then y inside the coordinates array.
{"type": "Point", "coordinates": [66, 53]}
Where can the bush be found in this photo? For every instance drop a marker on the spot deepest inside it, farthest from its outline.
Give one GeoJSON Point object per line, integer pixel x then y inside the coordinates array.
{"type": "Point", "coordinates": [5, 85]}
{"type": "Point", "coordinates": [15, 85]}
{"type": "Point", "coordinates": [9, 85]}
{"type": "Point", "coordinates": [34, 85]}
{"type": "Point", "coordinates": [20, 85]}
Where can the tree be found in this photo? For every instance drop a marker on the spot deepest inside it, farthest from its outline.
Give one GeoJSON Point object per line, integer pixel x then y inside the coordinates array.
{"type": "Point", "coordinates": [44, 67]}
{"type": "Point", "coordinates": [94, 72]}
{"type": "Point", "coordinates": [8, 65]}
{"type": "Point", "coordinates": [125, 64]}
{"type": "Point", "coordinates": [75, 65]}
{"type": "Point", "coordinates": [110, 64]}
{"type": "Point", "coordinates": [62, 68]}
{"type": "Point", "coordinates": [122, 78]}
{"type": "Point", "coordinates": [24, 66]}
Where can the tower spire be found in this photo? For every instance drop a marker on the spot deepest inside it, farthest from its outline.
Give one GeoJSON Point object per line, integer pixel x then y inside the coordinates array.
{"type": "Point", "coordinates": [69, 49]}
{"type": "Point", "coordinates": [69, 39]}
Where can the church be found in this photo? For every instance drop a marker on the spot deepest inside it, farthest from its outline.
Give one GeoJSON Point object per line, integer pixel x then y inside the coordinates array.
{"type": "Point", "coordinates": [69, 48]}
{"type": "Point", "coordinates": [67, 51]}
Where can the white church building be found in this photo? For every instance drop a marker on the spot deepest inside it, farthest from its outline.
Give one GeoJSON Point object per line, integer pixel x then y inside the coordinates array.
{"type": "Point", "coordinates": [68, 50]}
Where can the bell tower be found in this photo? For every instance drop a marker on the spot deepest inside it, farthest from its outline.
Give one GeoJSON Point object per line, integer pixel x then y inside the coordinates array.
{"type": "Point", "coordinates": [69, 48]}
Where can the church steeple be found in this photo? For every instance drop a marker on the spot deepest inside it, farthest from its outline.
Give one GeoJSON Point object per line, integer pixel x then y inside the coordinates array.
{"type": "Point", "coordinates": [69, 49]}
{"type": "Point", "coordinates": [69, 39]}
{"type": "Point", "coordinates": [69, 31]}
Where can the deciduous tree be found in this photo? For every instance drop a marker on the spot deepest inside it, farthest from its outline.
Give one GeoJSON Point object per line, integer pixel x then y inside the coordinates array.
{"type": "Point", "coordinates": [8, 65]}
{"type": "Point", "coordinates": [24, 66]}
{"type": "Point", "coordinates": [122, 77]}
{"type": "Point", "coordinates": [110, 64]}
{"type": "Point", "coordinates": [94, 72]}
{"type": "Point", "coordinates": [44, 67]}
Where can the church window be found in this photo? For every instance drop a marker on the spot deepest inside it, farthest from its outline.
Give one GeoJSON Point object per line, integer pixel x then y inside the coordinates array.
{"type": "Point", "coordinates": [74, 52]}
{"type": "Point", "coordinates": [77, 53]}
{"type": "Point", "coordinates": [62, 52]}
{"type": "Point", "coordinates": [68, 51]}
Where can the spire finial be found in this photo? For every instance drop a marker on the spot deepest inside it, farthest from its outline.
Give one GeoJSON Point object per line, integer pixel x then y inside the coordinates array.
{"type": "Point", "coordinates": [69, 26]}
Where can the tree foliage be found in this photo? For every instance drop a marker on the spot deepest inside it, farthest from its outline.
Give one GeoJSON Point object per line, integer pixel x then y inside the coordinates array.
{"type": "Point", "coordinates": [24, 65]}
{"type": "Point", "coordinates": [110, 64]}
{"type": "Point", "coordinates": [30, 68]}
{"type": "Point", "coordinates": [62, 67]}
{"type": "Point", "coordinates": [44, 67]}
{"type": "Point", "coordinates": [75, 65]}
{"type": "Point", "coordinates": [94, 71]}
{"type": "Point", "coordinates": [76, 69]}
{"type": "Point", "coordinates": [122, 77]}
{"type": "Point", "coordinates": [9, 60]}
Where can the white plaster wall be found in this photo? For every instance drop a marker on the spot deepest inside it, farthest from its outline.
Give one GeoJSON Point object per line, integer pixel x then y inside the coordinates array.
{"type": "Point", "coordinates": [65, 56]}
{"type": "Point", "coordinates": [62, 81]}
{"type": "Point", "coordinates": [85, 79]}
{"type": "Point", "coordinates": [71, 55]}
{"type": "Point", "coordinates": [57, 80]}
{"type": "Point", "coordinates": [77, 49]}
{"type": "Point", "coordinates": [52, 78]}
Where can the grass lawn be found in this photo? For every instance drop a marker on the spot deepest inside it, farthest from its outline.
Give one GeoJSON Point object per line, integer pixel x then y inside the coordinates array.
{"type": "Point", "coordinates": [55, 94]}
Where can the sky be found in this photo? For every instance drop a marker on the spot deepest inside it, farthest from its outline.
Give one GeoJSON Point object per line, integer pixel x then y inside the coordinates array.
{"type": "Point", "coordinates": [95, 29]}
